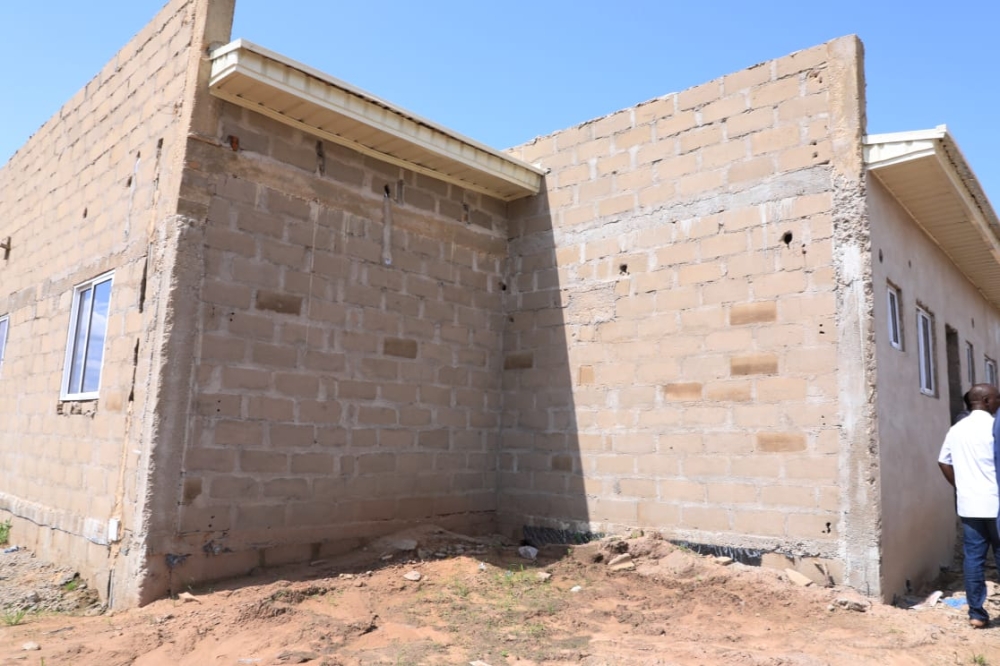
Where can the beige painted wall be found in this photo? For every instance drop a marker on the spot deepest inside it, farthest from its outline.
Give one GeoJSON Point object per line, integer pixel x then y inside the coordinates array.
{"type": "Point", "coordinates": [918, 509]}
{"type": "Point", "coordinates": [671, 362]}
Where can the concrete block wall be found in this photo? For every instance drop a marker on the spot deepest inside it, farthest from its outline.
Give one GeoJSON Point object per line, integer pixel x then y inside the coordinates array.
{"type": "Point", "coordinates": [346, 346]}
{"type": "Point", "coordinates": [671, 357]}
{"type": "Point", "coordinates": [88, 193]}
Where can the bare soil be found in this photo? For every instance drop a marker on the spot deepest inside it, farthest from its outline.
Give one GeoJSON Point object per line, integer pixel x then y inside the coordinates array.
{"type": "Point", "coordinates": [479, 601]}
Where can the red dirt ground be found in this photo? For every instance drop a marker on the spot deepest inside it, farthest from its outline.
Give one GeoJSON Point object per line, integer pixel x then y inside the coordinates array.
{"type": "Point", "coordinates": [478, 601]}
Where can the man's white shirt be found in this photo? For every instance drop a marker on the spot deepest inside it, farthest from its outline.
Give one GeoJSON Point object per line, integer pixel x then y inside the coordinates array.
{"type": "Point", "coordinates": [968, 447]}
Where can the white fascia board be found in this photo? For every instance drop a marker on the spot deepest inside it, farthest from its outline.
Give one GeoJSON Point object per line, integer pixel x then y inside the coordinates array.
{"type": "Point", "coordinates": [882, 150]}
{"type": "Point", "coordinates": [274, 70]}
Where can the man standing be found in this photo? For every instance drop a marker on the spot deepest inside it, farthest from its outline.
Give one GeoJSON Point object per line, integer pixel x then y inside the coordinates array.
{"type": "Point", "coordinates": [967, 462]}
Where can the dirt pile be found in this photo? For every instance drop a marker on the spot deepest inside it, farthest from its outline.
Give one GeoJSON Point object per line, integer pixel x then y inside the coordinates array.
{"type": "Point", "coordinates": [615, 602]}
{"type": "Point", "coordinates": [32, 586]}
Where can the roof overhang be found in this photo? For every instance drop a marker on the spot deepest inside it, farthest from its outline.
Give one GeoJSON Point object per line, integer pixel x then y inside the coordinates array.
{"type": "Point", "coordinates": [927, 174]}
{"type": "Point", "coordinates": [296, 95]}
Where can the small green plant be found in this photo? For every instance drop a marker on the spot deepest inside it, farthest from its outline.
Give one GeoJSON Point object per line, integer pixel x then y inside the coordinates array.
{"type": "Point", "coordinates": [979, 660]}
{"type": "Point", "coordinates": [460, 588]}
{"type": "Point", "coordinates": [72, 585]}
{"type": "Point", "coordinates": [12, 618]}
{"type": "Point", "coordinates": [5, 532]}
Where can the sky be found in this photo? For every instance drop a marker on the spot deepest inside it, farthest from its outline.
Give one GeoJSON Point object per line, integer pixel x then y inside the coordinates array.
{"type": "Point", "coordinates": [503, 73]}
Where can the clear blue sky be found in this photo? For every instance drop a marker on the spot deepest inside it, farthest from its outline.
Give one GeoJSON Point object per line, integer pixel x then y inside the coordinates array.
{"type": "Point", "coordinates": [504, 72]}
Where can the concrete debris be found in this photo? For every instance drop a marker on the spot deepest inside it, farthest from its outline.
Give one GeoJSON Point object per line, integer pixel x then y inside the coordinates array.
{"type": "Point", "coordinates": [297, 657]}
{"type": "Point", "coordinates": [346, 576]}
{"type": "Point", "coordinates": [31, 645]}
{"type": "Point", "coordinates": [930, 602]}
{"type": "Point", "coordinates": [852, 601]}
{"type": "Point", "coordinates": [187, 597]}
{"type": "Point", "coordinates": [799, 579]}
{"type": "Point", "coordinates": [618, 559]}
{"type": "Point", "coordinates": [543, 576]}
{"type": "Point", "coordinates": [478, 663]}
{"type": "Point", "coordinates": [413, 575]}
{"type": "Point", "coordinates": [679, 562]}
{"type": "Point", "coordinates": [621, 562]}
{"type": "Point", "coordinates": [528, 552]}
{"type": "Point", "coordinates": [724, 561]}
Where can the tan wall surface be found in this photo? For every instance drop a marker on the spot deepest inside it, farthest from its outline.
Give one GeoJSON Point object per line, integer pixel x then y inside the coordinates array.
{"type": "Point", "coordinates": [346, 371]}
{"type": "Point", "coordinates": [87, 194]}
{"type": "Point", "coordinates": [670, 361]}
{"type": "Point", "coordinates": [918, 504]}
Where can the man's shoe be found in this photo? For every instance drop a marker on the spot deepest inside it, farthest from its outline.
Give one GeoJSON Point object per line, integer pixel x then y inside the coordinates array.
{"type": "Point", "coordinates": [978, 624]}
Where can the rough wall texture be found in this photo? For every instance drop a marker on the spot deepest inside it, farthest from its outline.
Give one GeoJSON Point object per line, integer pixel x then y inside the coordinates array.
{"type": "Point", "coordinates": [308, 347]}
{"type": "Point", "coordinates": [89, 193]}
{"type": "Point", "coordinates": [671, 359]}
{"type": "Point", "coordinates": [346, 349]}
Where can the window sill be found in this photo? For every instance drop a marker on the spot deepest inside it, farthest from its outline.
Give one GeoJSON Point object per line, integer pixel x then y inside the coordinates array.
{"type": "Point", "coordinates": [77, 407]}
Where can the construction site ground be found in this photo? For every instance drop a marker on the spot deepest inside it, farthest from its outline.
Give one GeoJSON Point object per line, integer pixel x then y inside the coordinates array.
{"type": "Point", "coordinates": [428, 596]}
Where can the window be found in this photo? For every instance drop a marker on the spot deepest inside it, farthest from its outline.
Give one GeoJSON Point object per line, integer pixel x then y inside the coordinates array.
{"type": "Point", "coordinates": [991, 371]}
{"type": "Point", "coordinates": [925, 352]}
{"type": "Point", "coordinates": [4, 326]}
{"type": "Point", "coordinates": [970, 362]}
{"type": "Point", "coordinates": [88, 326]}
{"type": "Point", "coordinates": [895, 331]}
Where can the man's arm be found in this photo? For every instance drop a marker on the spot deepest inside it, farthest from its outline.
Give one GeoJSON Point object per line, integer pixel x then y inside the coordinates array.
{"type": "Point", "coordinates": [948, 471]}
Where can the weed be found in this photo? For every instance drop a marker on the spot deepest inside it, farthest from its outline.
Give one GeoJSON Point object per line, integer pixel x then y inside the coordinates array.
{"type": "Point", "coordinates": [460, 588]}
{"type": "Point", "coordinates": [5, 532]}
{"type": "Point", "coordinates": [72, 585]}
{"type": "Point", "coordinates": [12, 618]}
{"type": "Point", "coordinates": [536, 630]}
{"type": "Point", "coordinates": [979, 660]}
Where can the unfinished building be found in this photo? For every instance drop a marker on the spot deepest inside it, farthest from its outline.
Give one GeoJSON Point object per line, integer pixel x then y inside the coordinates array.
{"type": "Point", "coordinates": [252, 315]}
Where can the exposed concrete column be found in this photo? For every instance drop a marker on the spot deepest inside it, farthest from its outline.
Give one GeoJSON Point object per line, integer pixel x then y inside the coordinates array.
{"type": "Point", "coordinates": [860, 505]}
{"type": "Point", "coordinates": [174, 323]}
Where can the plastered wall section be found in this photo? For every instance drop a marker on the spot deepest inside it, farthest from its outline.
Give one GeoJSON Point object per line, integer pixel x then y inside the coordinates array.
{"type": "Point", "coordinates": [918, 504]}
{"type": "Point", "coordinates": [86, 195]}
{"type": "Point", "coordinates": [671, 356]}
{"type": "Point", "coordinates": [346, 346]}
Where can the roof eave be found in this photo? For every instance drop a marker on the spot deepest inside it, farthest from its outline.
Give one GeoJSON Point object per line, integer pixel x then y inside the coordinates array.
{"type": "Point", "coordinates": [268, 83]}
{"type": "Point", "coordinates": [885, 152]}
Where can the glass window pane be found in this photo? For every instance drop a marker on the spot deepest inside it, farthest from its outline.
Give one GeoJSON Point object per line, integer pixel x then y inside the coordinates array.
{"type": "Point", "coordinates": [3, 339]}
{"type": "Point", "coordinates": [924, 352]}
{"type": "Point", "coordinates": [79, 340]}
{"type": "Point", "coordinates": [893, 318]}
{"type": "Point", "coordinates": [95, 341]}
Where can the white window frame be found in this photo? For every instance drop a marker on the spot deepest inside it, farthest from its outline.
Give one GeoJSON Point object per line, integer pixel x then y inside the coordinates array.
{"type": "Point", "coordinates": [65, 393]}
{"type": "Point", "coordinates": [925, 352]}
{"type": "Point", "coordinates": [970, 361]}
{"type": "Point", "coordinates": [894, 320]}
{"type": "Point", "coordinates": [5, 321]}
{"type": "Point", "coordinates": [991, 371]}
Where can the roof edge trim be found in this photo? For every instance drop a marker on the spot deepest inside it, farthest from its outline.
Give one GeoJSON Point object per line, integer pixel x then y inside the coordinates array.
{"type": "Point", "coordinates": [263, 81]}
